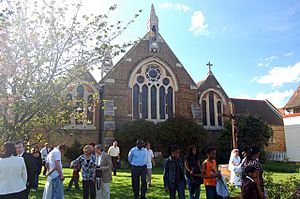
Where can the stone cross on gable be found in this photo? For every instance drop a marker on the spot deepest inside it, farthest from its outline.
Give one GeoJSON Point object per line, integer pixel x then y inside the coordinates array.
{"type": "Point", "coordinates": [209, 66]}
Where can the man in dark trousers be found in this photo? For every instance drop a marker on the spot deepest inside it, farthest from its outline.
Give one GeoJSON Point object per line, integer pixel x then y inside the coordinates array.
{"type": "Point", "coordinates": [137, 161]}
{"type": "Point", "coordinates": [30, 165]}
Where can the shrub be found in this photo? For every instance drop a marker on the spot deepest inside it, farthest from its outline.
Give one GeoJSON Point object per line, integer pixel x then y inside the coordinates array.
{"type": "Point", "coordinates": [74, 150]}
{"type": "Point", "coordinates": [276, 166]}
{"type": "Point", "coordinates": [282, 189]}
{"type": "Point", "coordinates": [179, 130]}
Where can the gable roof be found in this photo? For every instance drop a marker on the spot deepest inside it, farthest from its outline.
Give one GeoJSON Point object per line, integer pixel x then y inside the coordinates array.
{"type": "Point", "coordinates": [294, 100]}
{"type": "Point", "coordinates": [211, 82]}
{"type": "Point", "coordinates": [261, 108]}
{"type": "Point", "coordinates": [140, 51]}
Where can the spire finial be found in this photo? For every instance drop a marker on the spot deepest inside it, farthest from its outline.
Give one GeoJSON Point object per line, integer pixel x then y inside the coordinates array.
{"type": "Point", "coordinates": [152, 21]}
{"type": "Point", "coordinates": [107, 62]}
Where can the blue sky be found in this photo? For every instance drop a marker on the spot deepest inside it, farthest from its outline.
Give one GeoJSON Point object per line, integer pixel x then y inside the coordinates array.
{"type": "Point", "coordinates": [254, 45]}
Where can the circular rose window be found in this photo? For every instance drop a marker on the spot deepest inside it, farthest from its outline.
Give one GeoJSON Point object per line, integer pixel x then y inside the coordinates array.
{"type": "Point", "coordinates": [152, 73]}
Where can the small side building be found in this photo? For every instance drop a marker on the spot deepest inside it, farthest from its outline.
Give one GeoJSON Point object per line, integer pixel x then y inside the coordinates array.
{"type": "Point", "coordinates": [291, 121]}
{"type": "Point", "coordinates": [276, 149]}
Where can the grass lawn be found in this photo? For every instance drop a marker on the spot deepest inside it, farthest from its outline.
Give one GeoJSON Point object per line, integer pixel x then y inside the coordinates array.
{"type": "Point", "coordinates": [121, 185]}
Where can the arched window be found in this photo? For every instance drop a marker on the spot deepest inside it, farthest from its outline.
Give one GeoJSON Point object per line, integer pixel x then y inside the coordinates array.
{"type": "Point", "coordinates": [80, 92]}
{"type": "Point", "coordinates": [162, 102]}
{"type": "Point", "coordinates": [144, 102]}
{"type": "Point", "coordinates": [79, 104]}
{"type": "Point", "coordinates": [170, 102]}
{"type": "Point", "coordinates": [153, 102]}
{"type": "Point", "coordinates": [219, 107]}
{"type": "Point", "coordinates": [90, 109]}
{"type": "Point", "coordinates": [211, 109]}
{"type": "Point", "coordinates": [68, 108]}
{"type": "Point", "coordinates": [204, 114]}
{"type": "Point", "coordinates": [135, 95]}
{"type": "Point", "coordinates": [152, 94]}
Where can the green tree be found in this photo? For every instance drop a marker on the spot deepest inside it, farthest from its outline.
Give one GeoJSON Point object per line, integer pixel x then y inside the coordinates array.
{"type": "Point", "coordinates": [251, 131]}
{"type": "Point", "coordinates": [179, 130]}
{"type": "Point", "coordinates": [130, 131]}
{"type": "Point", "coordinates": [44, 46]}
{"type": "Point", "coordinates": [74, 151]}
{"type": "Point", "coordinates": [182, 132]}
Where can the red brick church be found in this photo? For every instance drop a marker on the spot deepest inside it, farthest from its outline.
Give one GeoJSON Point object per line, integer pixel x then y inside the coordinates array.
{"type": "Point", "coordinates": [149, 82]}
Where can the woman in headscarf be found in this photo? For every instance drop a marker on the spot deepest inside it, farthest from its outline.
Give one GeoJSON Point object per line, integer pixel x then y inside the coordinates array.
{"type": "Point", "coordinates": [234, 161]}
{"type": "Point", "coordinates": [253, 160]}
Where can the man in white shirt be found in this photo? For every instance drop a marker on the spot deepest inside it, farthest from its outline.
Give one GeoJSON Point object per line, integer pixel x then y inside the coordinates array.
{"type": "Point", "coordinates": [55, 171]}
{"type": "Point", "coordinates": [103, 173]}
{"type": "Point", "coordinates": [44, 152]}
{"type": "Point", "coordinates": [150, 163]}
{"type": "Point", "coordinates": [114, 153]}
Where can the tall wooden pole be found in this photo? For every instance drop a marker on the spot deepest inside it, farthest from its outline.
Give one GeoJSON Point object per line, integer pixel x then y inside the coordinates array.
{"type": "Point", "coordinates": [234, 132]}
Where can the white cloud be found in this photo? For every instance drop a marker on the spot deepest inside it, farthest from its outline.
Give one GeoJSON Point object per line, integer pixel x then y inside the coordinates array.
{"type": "Point", "coordinates": [178, 6]}
{"type": "Point", "coordinates": [198, 25]}
{"type": "Point", "coordinates": [260, 64]}
{"type": "Point", "coordinates": [277, 98]}
{"type": "Point", "coordinates": [278, 76]}
{"type": "Point", "coordinates": [182, 7]}
{"type": "Point", "coordinates": [271, 58]}
{"type": "Point", "coordinates": [266, 61]}
{"type": "Point", "coordinates": [289, 54]}
{"type": "Point", "coordinates": [166, 5]}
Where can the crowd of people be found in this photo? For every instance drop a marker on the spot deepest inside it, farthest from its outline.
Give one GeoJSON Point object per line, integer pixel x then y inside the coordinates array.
{"type": "Point", "coordinates": [23, 170]}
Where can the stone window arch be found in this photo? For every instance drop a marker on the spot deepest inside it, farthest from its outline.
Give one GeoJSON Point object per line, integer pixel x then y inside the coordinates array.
{"type": "Point", "coordinates": [212, 103]}
{"type": "Point", "coordinates": [82, 98]}
{"type": "Point", "coordinates": [153, 92]}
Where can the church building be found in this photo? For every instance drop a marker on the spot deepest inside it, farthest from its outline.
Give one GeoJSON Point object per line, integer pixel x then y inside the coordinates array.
{"type": "Point", "coordinates": [149, 82]}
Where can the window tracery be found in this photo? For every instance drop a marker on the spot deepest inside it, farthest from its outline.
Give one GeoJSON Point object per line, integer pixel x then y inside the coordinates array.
{"type": "Point", "coordinates": [152, 93]}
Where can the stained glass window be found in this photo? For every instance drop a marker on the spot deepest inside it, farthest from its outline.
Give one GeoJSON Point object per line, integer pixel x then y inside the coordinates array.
{"type": "Point", "coordinates": [140, 79]}
{"type": "Point", "coordinates": [80, 92]}
{"type": "Point", "coordinates": [152, 73]}
{"type": "Point", "coordinates": [204, 113]}
{"type": "Point", "coordinates": [145, 102]}
{"type": "Point", "coordinates": [90, 110]}
{"type": "Point", "coordinates": [136, 92]}
{"type": "Point", "coordinates": [166, 81]}
{"type": "Point", "coordinates": [153, 103]}
{"type": "Point", "coordinates": [162, 103]}
{"type": "Point", "coordinates": [219, 107]}
{"type": "Point", "coordinates": [152, 94]}
{"type": "Point", "coordinates": [170, 102]}
{"type": "Point", "coordinates": [211, 109]}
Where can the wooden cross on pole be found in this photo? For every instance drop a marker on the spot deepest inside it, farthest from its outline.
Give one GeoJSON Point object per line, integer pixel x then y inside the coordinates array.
{"type": "Point", "coordinates": [233, 118]}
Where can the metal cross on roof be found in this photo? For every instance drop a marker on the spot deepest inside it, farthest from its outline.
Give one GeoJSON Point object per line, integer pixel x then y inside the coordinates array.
{"type": "Point", "coordinates": [209, 66]}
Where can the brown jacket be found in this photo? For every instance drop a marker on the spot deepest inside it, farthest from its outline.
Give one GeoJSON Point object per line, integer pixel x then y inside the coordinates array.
{"type": "Point", "coordinates": [105, 166]}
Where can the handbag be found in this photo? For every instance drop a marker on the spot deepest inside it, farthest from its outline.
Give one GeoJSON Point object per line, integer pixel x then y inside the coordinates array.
{"type": "Point", "coordinates": [221, 187]}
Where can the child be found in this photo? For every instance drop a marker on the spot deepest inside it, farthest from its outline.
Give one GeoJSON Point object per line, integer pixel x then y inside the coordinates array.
{"type": "Point", "coordinates": [174, 174]}
{"type": "Point", "coordinates": [75, 176]}
{"type": "Point", "coordinates": [210, 173]}
{"type": "Point", "coordinates": [248, 185]}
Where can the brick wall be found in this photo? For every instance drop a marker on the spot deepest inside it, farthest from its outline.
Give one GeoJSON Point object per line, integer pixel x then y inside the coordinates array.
{"type": "Point", "coordinates": [278, 141]}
